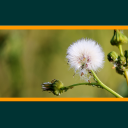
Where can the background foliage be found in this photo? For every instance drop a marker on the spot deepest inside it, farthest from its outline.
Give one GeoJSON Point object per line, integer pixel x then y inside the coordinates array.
{"type": "Point", "coordinates": [30, 57]}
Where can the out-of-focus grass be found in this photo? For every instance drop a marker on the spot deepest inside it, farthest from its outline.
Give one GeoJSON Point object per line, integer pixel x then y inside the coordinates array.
{"type": "Point", "coordinates": [31, 57]}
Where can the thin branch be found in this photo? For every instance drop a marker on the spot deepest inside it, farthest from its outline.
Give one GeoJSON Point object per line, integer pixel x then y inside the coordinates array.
{"type": "Point", "coordinates": [73, 85]}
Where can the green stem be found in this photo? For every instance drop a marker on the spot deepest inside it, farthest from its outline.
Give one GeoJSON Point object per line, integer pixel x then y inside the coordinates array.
{"type": "Point", "coordinates": [126, 75]}
{"type": "Point", "coordinates": [105, 87]}
{"type": "Point", "coordinates": [121, 51]}
{"type": "Point", "coordinates": [73, 85]}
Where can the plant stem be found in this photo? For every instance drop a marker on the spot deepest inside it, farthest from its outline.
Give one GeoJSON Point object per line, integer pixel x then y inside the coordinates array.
{"type": "Point", "coordinates": [126, 75]}
{"type": "Point", "coordinates": [73, 85]}
{"type": "Point", "coordinates": [105, 87]}
{"type": "Point", "coordinates": [121, 51]}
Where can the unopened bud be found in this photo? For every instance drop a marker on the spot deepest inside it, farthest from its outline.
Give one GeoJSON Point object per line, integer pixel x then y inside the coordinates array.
{"type": "Point", "coordinates": [112, 56]}
{"type": "Point", "coordinates": [120, 70]}
{"type": "Point", "coordinates": [118, 38]}
{"type": "Point", "coordinates": [122, 60]}
{"type": "Point", "coordinates": [126, 55]}
{"type": "Point", "coordinates": [55, 87]}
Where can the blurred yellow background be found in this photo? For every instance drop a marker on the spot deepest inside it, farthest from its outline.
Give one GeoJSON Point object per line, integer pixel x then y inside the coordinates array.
{"type": "Point", "coordinates": [29, 58]}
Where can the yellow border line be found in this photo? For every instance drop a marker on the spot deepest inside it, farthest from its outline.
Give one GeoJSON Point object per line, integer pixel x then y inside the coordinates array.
{"type": "Point", "coordinates": [64, 99]}
{"type": "Point", "coordinates": [60, 27]}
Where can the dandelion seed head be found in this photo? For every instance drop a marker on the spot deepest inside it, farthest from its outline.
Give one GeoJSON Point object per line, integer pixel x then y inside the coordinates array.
{"type": "Point", "coordinates": [84, 55]}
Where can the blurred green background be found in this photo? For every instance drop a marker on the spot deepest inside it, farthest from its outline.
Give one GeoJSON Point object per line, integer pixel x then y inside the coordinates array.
{"type": "Point", "coordinates": [30, 57]}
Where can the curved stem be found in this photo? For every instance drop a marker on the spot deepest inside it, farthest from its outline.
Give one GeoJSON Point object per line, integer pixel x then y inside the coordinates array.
{"type": "Point", "coordinates": [73, 85]}
{"type": "Point", "coordinates": [105, 87]}
{"type": "Point", "coordinates": [121, 51]}
{"type": "Point", "coordinates": [126, 75]}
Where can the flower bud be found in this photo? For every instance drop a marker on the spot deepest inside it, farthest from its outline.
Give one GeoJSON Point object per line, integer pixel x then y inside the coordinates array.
{"type": "Point", "coordinates": [122, 60]}
{"type": "Point", "coordinates": [120, 70]}
{"type": "Point", "coordinates": [126, 55]}
{"type": "Point", "coordinates": [55, 87]}
{"type": "Point", "coordinates": [112, 56]}
{"type": "Point", "coordinates": [118, 38]}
